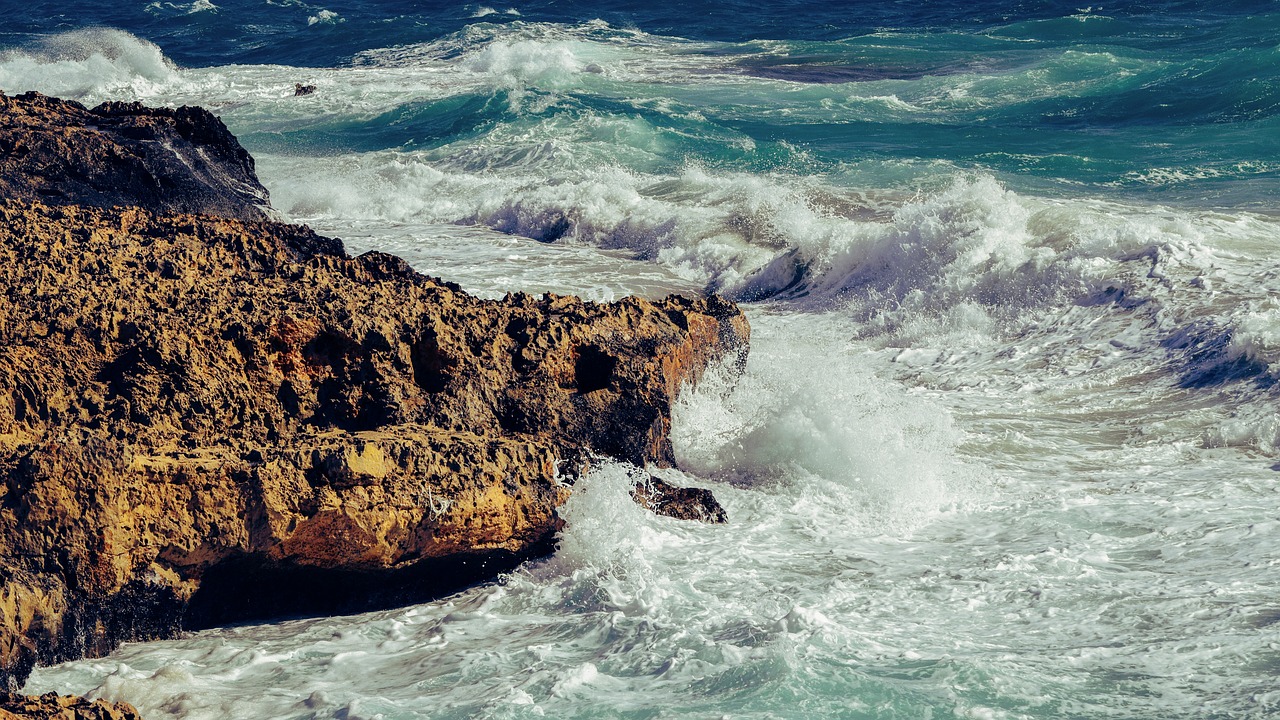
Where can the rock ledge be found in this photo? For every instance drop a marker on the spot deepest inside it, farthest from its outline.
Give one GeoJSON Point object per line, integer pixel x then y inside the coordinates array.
{"type": "Point", "coordinates": [206, 419]}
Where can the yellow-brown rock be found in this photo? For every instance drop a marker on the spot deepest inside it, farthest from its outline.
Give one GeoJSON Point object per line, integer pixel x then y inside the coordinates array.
{"type": "Point", "coordinates": [52, 706]}
{"type": "Point", "coordinates": [205, 420]}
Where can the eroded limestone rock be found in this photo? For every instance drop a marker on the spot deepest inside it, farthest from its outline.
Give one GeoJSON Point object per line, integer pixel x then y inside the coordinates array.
{"type": "Point", "coordinates": [205, 420]}
{"type": "Point", "coordinates": [52, 706]}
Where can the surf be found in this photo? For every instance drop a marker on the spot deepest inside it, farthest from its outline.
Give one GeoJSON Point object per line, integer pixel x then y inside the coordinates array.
{"type": "Point", "coordinates": [1006, 442]}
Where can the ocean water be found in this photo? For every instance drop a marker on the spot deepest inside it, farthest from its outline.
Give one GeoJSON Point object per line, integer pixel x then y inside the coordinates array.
{"type": "Point", "coordinates": [1008, 442]}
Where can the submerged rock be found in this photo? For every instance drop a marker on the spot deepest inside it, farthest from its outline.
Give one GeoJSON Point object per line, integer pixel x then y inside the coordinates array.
{"type": "Point", "coordinates": [169, 161]}
{"type": "Point", "coordinates": [206, 420]}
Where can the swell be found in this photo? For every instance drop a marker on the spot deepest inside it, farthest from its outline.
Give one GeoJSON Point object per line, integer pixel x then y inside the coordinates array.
{"type": "Point", "coordinates": [661, 147]}
{"type": "Point", "coordinates": [1117, 116]}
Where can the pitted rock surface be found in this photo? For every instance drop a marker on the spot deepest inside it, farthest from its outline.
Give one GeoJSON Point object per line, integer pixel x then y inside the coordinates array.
{"type": "Point", "coordinates": [205, 420]}
{"type": "Point", "coordinates": [52, 706]}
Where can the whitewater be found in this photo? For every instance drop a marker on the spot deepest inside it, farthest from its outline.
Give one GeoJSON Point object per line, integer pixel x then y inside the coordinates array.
{"type": "Point", "coordinates": [1007, 443]}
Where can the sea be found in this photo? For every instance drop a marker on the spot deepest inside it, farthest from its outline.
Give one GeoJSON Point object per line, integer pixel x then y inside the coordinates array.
{"type": "Point", "coordinates": [1008, 441]}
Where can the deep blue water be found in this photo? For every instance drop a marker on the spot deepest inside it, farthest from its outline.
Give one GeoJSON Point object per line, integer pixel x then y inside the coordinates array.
{"type": "Point", "coordinates": [261, 31]}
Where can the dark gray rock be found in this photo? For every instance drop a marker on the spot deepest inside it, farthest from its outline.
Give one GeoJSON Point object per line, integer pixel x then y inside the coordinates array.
{"type": "Point", "coordinates": [663, 498]}
{"type": "Point", "coordinates": [169, 161]}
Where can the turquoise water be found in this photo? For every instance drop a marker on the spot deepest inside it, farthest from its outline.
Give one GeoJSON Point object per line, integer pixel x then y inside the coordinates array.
{"type": "Point", "coordinates": [1166, 102]}
{"type": "Point", "coordinates": [1007, 442]}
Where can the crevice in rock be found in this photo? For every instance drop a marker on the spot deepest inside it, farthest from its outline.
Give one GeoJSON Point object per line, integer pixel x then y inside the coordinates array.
{"type": "Point", "coordinates": [248, 588]}
{"type": "Point", "coordinates": [593, 368]}
{"type": "Point", "coordinates": [429, 366]}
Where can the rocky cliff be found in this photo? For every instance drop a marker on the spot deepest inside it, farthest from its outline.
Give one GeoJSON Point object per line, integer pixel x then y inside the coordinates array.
{"type": "Point", "coordinates": [206, 419]}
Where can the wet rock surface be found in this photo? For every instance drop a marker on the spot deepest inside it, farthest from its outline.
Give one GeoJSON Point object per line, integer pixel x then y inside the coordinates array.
{"type": "Point", "coordinates": [682, 503]}
{"type": "Point", "coordinates": [169, 161]}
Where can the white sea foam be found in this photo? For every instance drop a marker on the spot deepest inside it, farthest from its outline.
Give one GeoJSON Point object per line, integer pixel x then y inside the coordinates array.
{"type": "Point", "coordinates": [974, 250]}
{"type": "Point", "coordinates": [634, 66]}
{"type": "Point", "coordinates": [93, 63]}
{"type": "Point", "coordinates": [811, 413]}
{"type": "Point", "coordinates": [325, 17]}
{"type": "Point", "coordinates": [197, 6]}
{"type": "Point", "coordinates": [1255, 338]}
{"type": "Point", "coordinates": [491, 264]}
{"type": "Point", "coordinates": [526, 62]}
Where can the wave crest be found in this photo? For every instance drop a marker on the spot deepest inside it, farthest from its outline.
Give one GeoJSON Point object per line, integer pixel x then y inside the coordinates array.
{"type": "Point", "coordinates": [90, 65]}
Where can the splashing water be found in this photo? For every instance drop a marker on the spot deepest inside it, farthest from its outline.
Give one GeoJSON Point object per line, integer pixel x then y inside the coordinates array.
{"type": "Point", "coordinates": [1005, 445]}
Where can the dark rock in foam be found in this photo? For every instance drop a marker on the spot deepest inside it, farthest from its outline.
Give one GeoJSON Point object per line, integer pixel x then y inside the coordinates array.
{"type": "Point", "coordinates": [681, 503]}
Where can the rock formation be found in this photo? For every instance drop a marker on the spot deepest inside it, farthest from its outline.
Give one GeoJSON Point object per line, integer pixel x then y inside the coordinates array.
{"type": "Point", "coordinates": [209, 420]}
{"type": "Point", "coordinates": [52, 706]}
{"type": "Point", "coordinates": [206, 420]}
{"type": "Point", "coordinates": [664, 498]}
{"type": "Point", "coordinates": [168, 161]}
